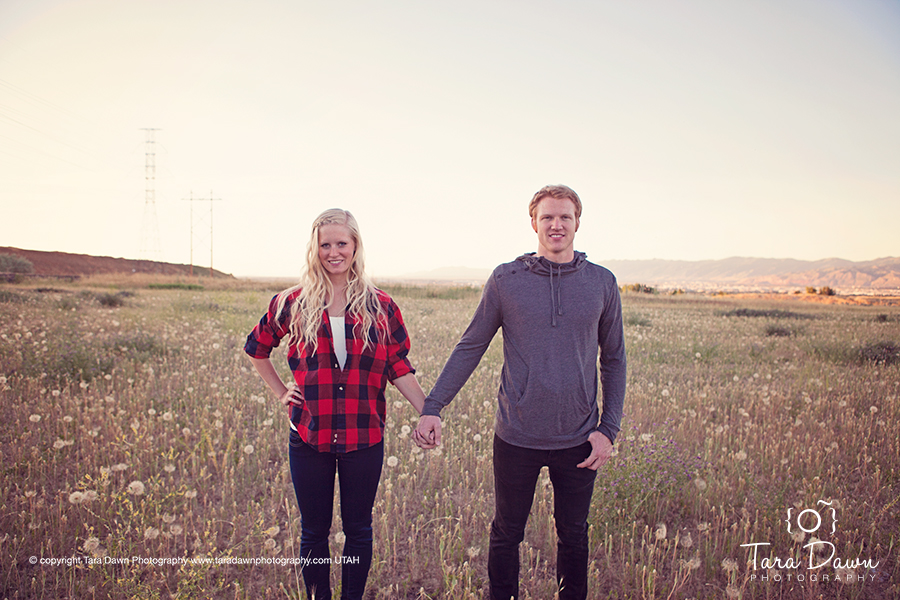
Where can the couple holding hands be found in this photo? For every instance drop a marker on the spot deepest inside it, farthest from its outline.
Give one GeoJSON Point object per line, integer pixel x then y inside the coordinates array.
{"type": "Point", "coordinates": [347, 339]}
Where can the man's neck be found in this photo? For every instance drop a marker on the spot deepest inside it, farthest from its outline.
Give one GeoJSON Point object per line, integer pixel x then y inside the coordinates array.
{"type": "Point", "coordinates": [558, 258]}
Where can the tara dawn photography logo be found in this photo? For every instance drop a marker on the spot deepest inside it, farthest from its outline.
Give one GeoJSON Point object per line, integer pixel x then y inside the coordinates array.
{"type": "Point", "coordinates": [817, 559]}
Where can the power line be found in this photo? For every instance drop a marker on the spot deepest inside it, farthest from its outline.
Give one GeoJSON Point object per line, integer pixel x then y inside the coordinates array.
{"type": "Point", "coordinates": [150, 249]}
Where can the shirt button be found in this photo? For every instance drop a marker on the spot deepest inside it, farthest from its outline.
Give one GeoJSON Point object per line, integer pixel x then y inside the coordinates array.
{"type": "Point", "coordinates": [341, 388]}
{"type": "Point", "coordinates": [335, 365]}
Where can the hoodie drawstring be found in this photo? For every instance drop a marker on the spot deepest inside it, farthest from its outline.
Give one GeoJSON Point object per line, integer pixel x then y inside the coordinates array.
{"type": "Point", "coordinates": [555, 301]}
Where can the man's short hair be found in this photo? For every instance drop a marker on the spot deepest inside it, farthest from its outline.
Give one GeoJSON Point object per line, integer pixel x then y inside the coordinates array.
{"type": "Point", "coordinates": [560, 192]}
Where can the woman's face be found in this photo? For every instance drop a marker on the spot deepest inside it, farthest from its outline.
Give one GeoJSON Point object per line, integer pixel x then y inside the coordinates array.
{"type": "Point", "coordinates": [336, 250]}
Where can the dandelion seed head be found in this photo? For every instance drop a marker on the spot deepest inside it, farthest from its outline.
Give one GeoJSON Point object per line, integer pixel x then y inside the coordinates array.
{"type": "Point", "coordinates": [167, 416]}
{"type": "Point", "coordinates": [76, 497]}
{"type": "Point", "coordinates": [729, 564]}
{"type": "Point", "coordinates": [740, 456]}
{"type": "Point", "coordinates": [58, 444]}
{"type": "Point", "coordinates": [175, 529]}
{"type": "Point", "coordinates": [392, 461]}
{"type": "Point", "coordinates": [169, 468]}
{"type": "Point", "coordinates": [248, 449]}
{"type": "Point", "coordinates": [273, 531]}
{"type": "Point", "coordinates": [55, 393]}
{"type": "Point", "coordinates": [660, 532]}
{"type": "Point", "coordinates": [151, 533]}
{"type": "Point", "coordinates": [873, 409]}
{"type": "Point", "coordinates": [92, 544]}
{"type": "Point", "coordinates": [477, 437]}
{"type": "Point", "coordinates": [190, 494]}
{"type": "Point", "coordinates": [136, 488]}
{"type": "Point", "coordinates": [35, 418]}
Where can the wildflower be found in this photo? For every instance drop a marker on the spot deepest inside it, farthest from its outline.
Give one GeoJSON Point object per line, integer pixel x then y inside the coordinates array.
{"type": "Point", "coordinates": [646, 437]}
{"type": "Point", "coordinates": [105, 471]}
{"type": "Point", "coordinates": [665, 393]}
{"type": "Point", "coordinates": [76, 497]}
{"type": "Point", "coordinates": [59, 444]}
{"type": "Point", "coordinates": [740, 456]}
{"type": "Point", "coordinates": [35, 418]}
{"type": "Point", "coordinates": [186, 432]}
{"type": "Point", "coordinates": [703, 527]}
{"type": "Point", "coordinates": [687, 541]}
{"type": "Point", "coordinates": [661, 531]}
{"type": "Point", "coordinates": [392, 461]}
{"type": "Point", "coordinates": [272, 531]}
{"type": "Point", "coordinates": [168, 519]}
{"type": "Point", "coordinates": [30, 494]}
{"type": "Point", "coordinates": [83, 385]}
{"type": "Point", "coordinates": [404, 431]}
{"type": "Point", "coordinates": [119, 467]}
{"type": "Point", "coordinates": [473, 552]}
{"type": "Point", "coordinates": [845, 575]}
{"type": "Point", "coordinates": [67, 419]}
{"type": "Point", "coordinates": [89, 496]}
{"type": "Point", "coordinates": [248, 449]}
{"type": "Point", "coordinates": [732, 592]}
{"type": "Point", "coordinates": [798, 536]}
{"type": "Point", "coordinates": [167, 416]}
{"type": "Point", "coordinates": [694, 564]}
{"type": "Point", "coordinates": [339, 537]}
{"type": "Point", "coordinates": [91, 545]}
{"type": "Point", "coordinates": [136, 488]}
{"type": "Point", "coordinates": [873, 409]}
{"type": "Point", "coordinates": [175, 529]}
{"type": "Point", "coordinates": [697, 355]}
{"type": "Point", "coordinates": [190, 494]}
{"type": "Point", "coordinates": [699, 483]}
{"type": "Point", "coordinates": [219, 424]}
{"type": "Point", "coordinates": [151, 533]}
{"type": "Point", "coordinates": [270, 544]}
{"type": "Point", "coordinates": [268, 422]}
{"type": "Point", "coordinates": [729, 564]}
{"type": "Point", "coordinates": [169, 468]}
{"type": "Point", "coordinates": [398, 404]}
{"type": "Point", "coordinates": [477, 437]}
{"type": "Point", "coordinates": [55, 393]}
{"type": "Point", "coordinates": [736, 378]}
{"type": "Point", "coordinates": [107, 377]}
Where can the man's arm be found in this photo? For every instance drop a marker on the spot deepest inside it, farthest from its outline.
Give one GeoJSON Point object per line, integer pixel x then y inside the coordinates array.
{"type": "Point", "coordinates": [463, 360]}
{"type": "Point", "coordinates": [613, 368]}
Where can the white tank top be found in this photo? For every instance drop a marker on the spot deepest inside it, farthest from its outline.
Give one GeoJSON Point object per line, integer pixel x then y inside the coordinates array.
{"type": "Point", "coordinates": [339, 339]}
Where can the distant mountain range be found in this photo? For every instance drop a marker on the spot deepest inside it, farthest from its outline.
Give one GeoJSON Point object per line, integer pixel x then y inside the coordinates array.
{"type": "Point", "coordinates": [735, 273]}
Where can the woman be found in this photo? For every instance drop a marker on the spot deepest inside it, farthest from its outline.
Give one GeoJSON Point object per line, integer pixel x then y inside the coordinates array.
{"type": "Point", "coordinates": [347, 340]}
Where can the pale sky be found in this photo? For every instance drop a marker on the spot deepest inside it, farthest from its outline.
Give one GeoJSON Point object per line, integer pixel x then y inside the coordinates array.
{"type": "Point", "coordinates": [691, 130]}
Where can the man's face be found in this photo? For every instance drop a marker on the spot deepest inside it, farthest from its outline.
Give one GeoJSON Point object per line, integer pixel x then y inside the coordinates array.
{"type": "Point", "coordinates": [555, 223]}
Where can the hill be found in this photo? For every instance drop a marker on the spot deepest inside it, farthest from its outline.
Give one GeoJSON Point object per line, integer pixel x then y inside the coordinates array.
{"type": "Point", "coordinates": [65, 264]}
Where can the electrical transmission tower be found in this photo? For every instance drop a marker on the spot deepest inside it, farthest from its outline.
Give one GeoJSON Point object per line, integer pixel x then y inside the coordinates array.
{"type": "Point", "coordinates": [210, 200]}
{"type": "Point", "coordinates": [150, 248]}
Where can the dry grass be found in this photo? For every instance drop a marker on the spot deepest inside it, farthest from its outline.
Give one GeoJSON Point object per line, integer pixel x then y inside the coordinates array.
{"type": "Point", "coordinates": [141, 431]}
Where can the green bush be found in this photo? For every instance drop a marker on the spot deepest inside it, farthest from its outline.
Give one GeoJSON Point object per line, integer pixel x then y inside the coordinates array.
{"type": "Point", "coordinates": [12, 263]}
{"type": "Point", "coordinates": [826, 291]}
{"type": "Point", "coordinates": [639, 288]}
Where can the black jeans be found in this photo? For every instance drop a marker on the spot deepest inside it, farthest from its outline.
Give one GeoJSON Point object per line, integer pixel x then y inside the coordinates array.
{"type": "Point", "coordinates": [313, 475]}
{"type": "Point", "coordinates": [516, 472]}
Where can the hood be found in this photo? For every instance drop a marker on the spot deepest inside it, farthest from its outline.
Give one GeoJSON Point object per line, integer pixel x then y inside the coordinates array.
{"type": "Point", "coordinates": [555, 271]}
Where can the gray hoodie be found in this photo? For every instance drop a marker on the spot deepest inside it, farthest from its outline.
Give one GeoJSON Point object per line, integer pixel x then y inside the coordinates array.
{"type": "Point", "coordinates": [554, 318]}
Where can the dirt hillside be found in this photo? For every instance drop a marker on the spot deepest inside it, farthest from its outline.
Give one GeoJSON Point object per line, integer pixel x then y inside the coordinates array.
{"type": "Point", "coordinates": [63, 263]}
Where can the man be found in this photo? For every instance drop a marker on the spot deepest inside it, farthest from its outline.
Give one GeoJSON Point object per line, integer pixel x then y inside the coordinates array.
{"type": "Point", "coordinates": [556, 310]}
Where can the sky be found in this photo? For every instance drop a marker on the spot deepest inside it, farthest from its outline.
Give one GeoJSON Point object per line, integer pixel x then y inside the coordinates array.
{"type": "Point", "coordinates": [691, 130]}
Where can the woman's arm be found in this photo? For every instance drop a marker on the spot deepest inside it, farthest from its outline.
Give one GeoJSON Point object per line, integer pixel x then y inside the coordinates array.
{"type": "Point", "coordinates": [409, 386]}
{"type": "Point", "coordinates": [286, 394]}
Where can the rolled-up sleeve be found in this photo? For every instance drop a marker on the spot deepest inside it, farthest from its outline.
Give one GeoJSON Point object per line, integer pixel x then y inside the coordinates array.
{"type": "Point", "coordinates": [267, 334]}
{"type": "Point", "coordinates": [398, 344]}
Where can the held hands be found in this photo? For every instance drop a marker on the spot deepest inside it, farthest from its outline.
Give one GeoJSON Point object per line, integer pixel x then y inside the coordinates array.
{"type": "Point", "coordinates": [292, 396]}
{"type": "Point", "coordinates": [427, 434]}
{"type": "Point", "coordinates": [600, 453]}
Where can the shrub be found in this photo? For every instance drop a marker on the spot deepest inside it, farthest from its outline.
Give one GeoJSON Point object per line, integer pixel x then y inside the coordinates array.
{"type": "Point", "coordinates": [174, 286]}
{"type": "Point", "coordinates": [111, 300]}
{"type": "Point", "coordinates": [884, 353]}
{"type": "Point", "coordinates": [776, 331]}
{"type": "Point", "coordinates": [639, 288]}
{"type": "Point", "coordinates": [9, 297]}
{"type": "Point", "coordinates": [12, 263]}
{"type": "Point", "coordinates": [775, 314]}
{"type": "Point", "coordinates": [826, 291]}
{"type": "Point", "coordinates": [882, 318]}
{"type": "Point", "coordinates": [810, 289]}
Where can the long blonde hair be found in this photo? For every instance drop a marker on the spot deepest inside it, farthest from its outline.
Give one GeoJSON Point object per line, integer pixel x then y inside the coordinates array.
{"type": "Point", "coordinates": [316, 289]}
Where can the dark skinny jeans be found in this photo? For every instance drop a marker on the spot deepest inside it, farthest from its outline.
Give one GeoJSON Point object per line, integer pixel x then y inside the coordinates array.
{"type": "Point", "coordinates": [516, 473]}
{"type": "Point", "coordinates": [313, 475]}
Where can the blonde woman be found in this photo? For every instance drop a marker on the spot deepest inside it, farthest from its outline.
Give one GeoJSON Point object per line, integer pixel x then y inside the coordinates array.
{"type": "Point", "coordinates": [346, 341]}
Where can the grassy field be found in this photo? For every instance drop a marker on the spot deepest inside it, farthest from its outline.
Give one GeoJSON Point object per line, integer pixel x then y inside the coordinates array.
{"type": "Point", "coordinates": [135, 435]}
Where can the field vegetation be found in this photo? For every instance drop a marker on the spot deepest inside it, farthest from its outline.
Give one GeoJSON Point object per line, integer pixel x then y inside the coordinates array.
{"type": "Point", "coordinates": [135, 428]}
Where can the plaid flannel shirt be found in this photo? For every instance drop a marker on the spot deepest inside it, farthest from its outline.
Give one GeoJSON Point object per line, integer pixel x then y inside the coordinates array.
{"type": "Point", "coordinates": [343, 409]}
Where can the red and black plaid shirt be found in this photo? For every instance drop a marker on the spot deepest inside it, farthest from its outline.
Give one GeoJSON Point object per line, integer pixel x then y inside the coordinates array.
{"type": "Point", "coordinates": [343, 410]}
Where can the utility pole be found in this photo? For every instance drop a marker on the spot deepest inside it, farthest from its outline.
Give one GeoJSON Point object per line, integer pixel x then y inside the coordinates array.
{"type": "Point", "coordinates": [191, 199]}
{"type": "Point", "coordinates": [150, 248]}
